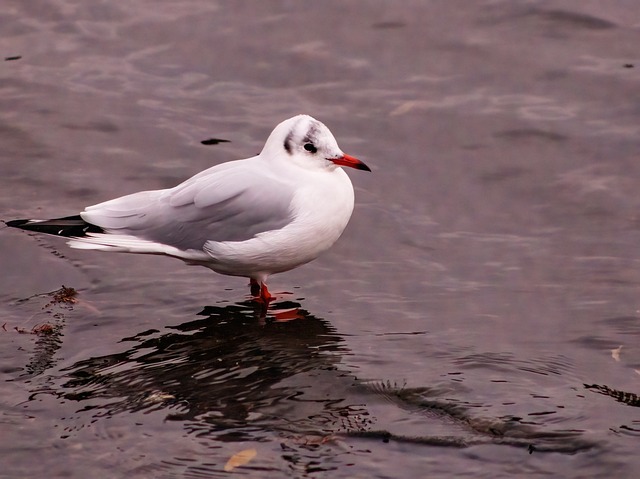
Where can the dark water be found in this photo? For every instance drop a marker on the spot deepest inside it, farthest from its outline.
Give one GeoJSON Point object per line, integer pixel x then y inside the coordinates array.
{"type": "Point", "coordinates": [480, 317]}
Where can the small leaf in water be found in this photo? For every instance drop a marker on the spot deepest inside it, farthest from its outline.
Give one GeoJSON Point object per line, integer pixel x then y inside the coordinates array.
{"type": "Point", "coordinates": [240, 459]}
{"type": "Point", "coordinates": [615, 353]}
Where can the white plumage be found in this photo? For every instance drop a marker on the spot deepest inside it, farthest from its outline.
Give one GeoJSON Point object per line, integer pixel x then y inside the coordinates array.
{"type": "Point", "coordinates": [252, 217]}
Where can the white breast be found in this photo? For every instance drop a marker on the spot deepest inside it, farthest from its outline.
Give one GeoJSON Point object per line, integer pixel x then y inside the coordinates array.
{"type": "Point", "coordinates": [321, 208]}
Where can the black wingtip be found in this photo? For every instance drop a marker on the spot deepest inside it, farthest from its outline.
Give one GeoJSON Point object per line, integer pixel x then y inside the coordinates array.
{"type": "Point", "coordinates": [15, 223]}
{"type": "Point", "coordinates": [69, 226]}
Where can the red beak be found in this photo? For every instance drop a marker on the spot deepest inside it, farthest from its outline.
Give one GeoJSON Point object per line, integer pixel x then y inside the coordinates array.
{"type": "Point", "coordinates": [351, 162]}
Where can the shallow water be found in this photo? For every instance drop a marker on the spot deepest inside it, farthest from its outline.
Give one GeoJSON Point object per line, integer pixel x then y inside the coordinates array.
{"type": "Point", "coordinates": [478, 318]}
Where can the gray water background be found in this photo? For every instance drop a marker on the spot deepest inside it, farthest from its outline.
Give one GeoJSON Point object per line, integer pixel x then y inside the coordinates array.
{"type": "Point", "coordinates": [478, 318]}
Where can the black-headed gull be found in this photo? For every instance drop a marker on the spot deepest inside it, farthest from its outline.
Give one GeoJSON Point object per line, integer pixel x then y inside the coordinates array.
{"type": "Point", "coordinates": [253, 218]}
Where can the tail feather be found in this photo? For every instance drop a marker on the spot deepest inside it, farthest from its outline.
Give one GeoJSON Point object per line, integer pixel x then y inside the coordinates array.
{"type": "Point", "coordinates": [69, 226]}
{"type": "Point", "coordinates": [85, 235]}
{"type": "Point", "coordinates": [133, 244]}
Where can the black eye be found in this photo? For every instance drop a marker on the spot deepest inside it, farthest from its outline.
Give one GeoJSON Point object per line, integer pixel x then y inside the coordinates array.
{"type": "Point", "coordinates": [310, 147]}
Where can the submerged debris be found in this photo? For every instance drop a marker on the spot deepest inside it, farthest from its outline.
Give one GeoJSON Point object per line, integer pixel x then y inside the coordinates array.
{"type": "Point", "coordinates": [630, 399]}
{"type": "Point", "coordinates": [64, 295]}
{"type": "Point", "coordinates": [44, 329]}
{"type": "Point", "coordinates": [64, 298]}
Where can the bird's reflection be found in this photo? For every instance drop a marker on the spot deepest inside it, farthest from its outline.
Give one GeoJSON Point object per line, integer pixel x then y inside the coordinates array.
{"type": "Point", "coordinates": [224, 370]}
{"type": "Point", "coordinates": [233, 374]}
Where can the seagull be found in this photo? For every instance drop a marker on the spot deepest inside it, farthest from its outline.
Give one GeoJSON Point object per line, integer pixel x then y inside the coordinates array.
{"type": "Point", "coordinates": [251, 218]}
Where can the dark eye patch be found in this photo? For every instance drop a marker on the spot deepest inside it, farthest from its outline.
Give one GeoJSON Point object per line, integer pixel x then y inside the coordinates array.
{"type": "Point", "coordinates": [310, 147]}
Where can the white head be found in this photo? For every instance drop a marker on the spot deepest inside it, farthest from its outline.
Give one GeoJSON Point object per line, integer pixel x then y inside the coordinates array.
{"type": "Point", "coordinates": [309, 143]}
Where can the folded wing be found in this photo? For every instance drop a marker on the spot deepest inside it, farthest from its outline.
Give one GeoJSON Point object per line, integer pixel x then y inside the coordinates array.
{"type": "Point", "coordinates": [227, 203]}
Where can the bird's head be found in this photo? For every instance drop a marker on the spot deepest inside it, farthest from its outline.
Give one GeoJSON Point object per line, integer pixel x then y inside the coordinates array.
{"type": "Point", "coordinates": [309, 143]}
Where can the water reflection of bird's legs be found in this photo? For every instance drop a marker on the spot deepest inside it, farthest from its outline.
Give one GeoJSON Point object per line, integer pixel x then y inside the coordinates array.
{"type": "Point", "coordinates": [288, 315]}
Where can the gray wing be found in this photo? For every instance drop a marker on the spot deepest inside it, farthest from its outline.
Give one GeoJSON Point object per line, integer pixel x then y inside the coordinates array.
{"type": "Point", "coordinates": [230, 202]}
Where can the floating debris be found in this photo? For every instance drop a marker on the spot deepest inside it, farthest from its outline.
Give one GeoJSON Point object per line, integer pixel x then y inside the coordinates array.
{"type": "Point", "coordinates": [44, 329]}
{"type": "Point", "coordinates": [214, 141]}
{"type": "Point", "coordinates": [615, 353]}
{"type": "Point", "coordinates": [64, 295]}
{"type": "Point", "coordinates": [240, 459]}
{"type": "Point", "coordinates": [630, 399]}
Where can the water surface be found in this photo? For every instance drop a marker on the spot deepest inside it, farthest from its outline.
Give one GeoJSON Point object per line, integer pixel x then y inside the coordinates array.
{"type": "Point", "coordinates": [479, 317]}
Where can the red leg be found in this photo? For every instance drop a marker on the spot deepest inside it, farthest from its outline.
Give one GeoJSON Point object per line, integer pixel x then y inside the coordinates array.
{"type": "Point", "coordinates": [260, 291]}
{"type": "Point", "coordinates": [265, 295]}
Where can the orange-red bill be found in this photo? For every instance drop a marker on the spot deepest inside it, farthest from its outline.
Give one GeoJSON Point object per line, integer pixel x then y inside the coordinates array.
{"type": "Point", "coordinates": [351, 162]}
